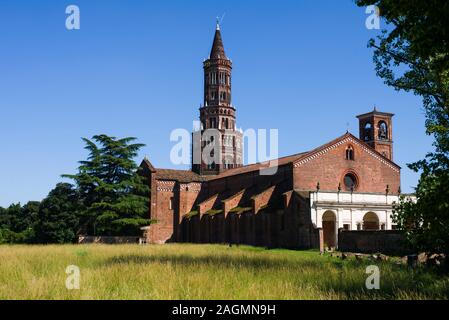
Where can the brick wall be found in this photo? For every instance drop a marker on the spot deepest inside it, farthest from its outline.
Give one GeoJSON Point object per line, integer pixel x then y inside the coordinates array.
{"type": "Point", "coordinates": [390, 242]}
{"type": "Point", "coordinates": [288, 227]}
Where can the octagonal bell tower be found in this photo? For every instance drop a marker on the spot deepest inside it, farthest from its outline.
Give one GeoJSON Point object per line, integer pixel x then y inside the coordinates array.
{"type": "Point", "coordinates": [217, 116]}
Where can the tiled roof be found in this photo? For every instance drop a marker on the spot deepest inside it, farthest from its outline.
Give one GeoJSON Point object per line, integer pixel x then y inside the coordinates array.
{"type": "Point", "coordinates": [257, 166]}
{"type": "Point", "coordinates": [184, 176]}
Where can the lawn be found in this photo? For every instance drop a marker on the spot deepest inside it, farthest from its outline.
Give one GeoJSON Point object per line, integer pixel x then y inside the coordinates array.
{"type": "Point", "coordinates": [203, 272]}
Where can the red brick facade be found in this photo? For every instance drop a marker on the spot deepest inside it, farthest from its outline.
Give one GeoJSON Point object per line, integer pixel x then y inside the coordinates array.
{"type": "Point", "coordinates": [328, 167]}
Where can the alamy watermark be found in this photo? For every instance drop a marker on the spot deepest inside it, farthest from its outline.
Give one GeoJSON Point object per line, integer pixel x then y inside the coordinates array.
{"type": "Point", "coordinates": [224, 147]}
{"type": "Point", "coordinates": [73, 279]}
{"type": "Point", "coordinates": [373, 20]}
{"type": "Point", "coordinates": [373, 280]}
{"type": "Point", "coordinates": [73, 20]}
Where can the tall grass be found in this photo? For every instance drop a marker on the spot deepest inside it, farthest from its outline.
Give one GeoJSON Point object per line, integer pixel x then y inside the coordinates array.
{"type": "Point", "coordinates": [202, 272]}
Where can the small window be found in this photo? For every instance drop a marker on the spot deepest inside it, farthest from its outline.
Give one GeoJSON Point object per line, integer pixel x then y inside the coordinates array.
{"type": "Point", "coordinates": [170, 204]}
{"type": "Point", "coordinates": [359, 226]}
{"type": "Point", "coordinates": [350, 153]}
{"type": "Point", "coordinates": [382, 226]}
{"type": "Point", "coordinates": [394, 227]}
{"type": "Point", "coordinates": [346, 227]}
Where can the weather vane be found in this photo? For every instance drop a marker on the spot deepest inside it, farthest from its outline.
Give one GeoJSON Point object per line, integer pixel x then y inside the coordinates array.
{"type": "Point", "coordinates": [220, 20]}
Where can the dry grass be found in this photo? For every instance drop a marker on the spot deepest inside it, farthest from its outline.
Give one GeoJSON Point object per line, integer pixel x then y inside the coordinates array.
{"type": "Point", "coordinates": [202, 272]}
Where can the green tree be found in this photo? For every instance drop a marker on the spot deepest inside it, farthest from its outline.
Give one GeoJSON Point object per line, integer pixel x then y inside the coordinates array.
{"type": "Point", "coordinates": [113, 192]}
{"type": "Point", "coordinates": [59, 215]}
{"type": "Point", "coordinates": [17, 223]}
{"type": "Point", "coordinates": [412, 54]}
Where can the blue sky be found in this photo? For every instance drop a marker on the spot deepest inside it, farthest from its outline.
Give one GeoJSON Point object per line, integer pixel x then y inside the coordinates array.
{"type": "Point", "coordinates": [135, 69]}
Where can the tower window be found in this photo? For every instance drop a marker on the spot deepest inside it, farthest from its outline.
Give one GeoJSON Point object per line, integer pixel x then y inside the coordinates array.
{"type": "Point", "coordinates": [349, 153]}
{"type": "Point", "coordinates": [223, 96]}
{"type": "Point", "coordinates": [222, 78]}
{"type": "Point", "coordinates": [383, 131]}
{"type": "Point", "coordinates": [367, 135]}
{"type": "Point", "coordinates": [213, 123]}
{"type": "Point", "coordinates": [213, 78]}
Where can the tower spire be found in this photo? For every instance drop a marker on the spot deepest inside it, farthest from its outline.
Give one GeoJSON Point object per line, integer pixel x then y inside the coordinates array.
{"type": "Point", "coordinates": [219, 115]}
{"type": "Point", "coordinates": [218, 51]}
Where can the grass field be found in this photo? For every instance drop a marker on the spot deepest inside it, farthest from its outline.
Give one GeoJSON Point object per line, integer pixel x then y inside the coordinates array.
{"type": "Point", "coordinates": [202, 272]}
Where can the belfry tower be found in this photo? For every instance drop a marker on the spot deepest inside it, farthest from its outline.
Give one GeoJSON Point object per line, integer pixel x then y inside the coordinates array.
{"type": "Point", "coordinates": [376, 130]}
{"type": "Point", "coordinates": [217, 145]}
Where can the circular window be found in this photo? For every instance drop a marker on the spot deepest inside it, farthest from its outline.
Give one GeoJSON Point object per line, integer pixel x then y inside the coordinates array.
{"type": "Point", "coordinates": [350, 181]}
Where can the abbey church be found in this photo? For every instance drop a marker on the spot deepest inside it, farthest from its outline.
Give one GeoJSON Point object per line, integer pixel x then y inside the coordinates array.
{"type": "Point", "coordinates": [349, 183]}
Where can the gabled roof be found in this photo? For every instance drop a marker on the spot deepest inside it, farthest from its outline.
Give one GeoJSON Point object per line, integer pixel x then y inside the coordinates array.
{"type": "Point", "coordinates": [340, 140]}
{"type": "Point", "coordinates": [146, 163]}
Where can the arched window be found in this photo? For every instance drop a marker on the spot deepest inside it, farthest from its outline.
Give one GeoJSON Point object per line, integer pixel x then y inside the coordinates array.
{"type": "Point", "coordinates": [368, 132]}
{"type": "Point", "coordinates": [383, 130]}
{"type": "Point", "coordinates": [350, 153]}
{"type": "Point", "coordinates": [371, 221]}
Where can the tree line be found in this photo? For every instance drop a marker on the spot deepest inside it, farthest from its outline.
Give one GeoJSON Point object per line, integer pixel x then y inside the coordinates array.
{"type": "Point", "coordinates": [411, 54]}
{"type": "Point", "coordinates": [109, 196]}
